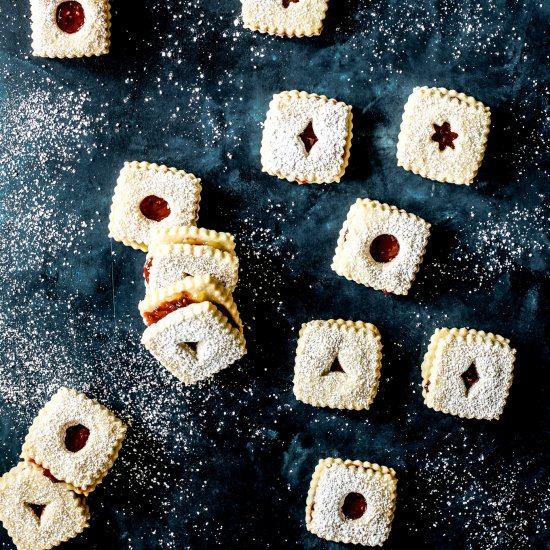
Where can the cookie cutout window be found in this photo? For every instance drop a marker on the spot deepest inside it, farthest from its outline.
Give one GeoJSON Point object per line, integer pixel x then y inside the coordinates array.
{"type": "Point", "coordinates": [288, 18]}
{"type": "Point", "coordinates": [338, 364]}
{"type": "Point", "coordinates": [443, 135]}
{"type": "Point", "coordinates": [70, 28]}
{"type": "Point", "coordinates": [38, 513]}
{"type": "Point", "coordinates": [381, 246]}
{"type": "Point", "coordinates": [75, 440]}
{"type": "Point", "coordinates": [306, 138]}
{"type": "Point", "coordinates": [467, 373]}
{"type": "Point", "coordinates": [351, 502]}
{"type": "Point", "coordinates": [148, 196]}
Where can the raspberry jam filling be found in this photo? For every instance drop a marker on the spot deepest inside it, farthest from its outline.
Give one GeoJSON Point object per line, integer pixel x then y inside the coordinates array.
{"type": "Point", "coordinates": [470, 377]}
{"type": "Point", "coordinates": [163, 309]}
{"type": "Point", "coordinates": [147, 269]}
{"type": "Point", "coordinates": [336, 366]}
{"type": "Point", "coordinates": [444, 136]}
{"type": "Point", "coordinates": [70, 17]}
{"type": "Point", "coordinates": [76, 438]}
{"type": "Point", "coordinates": [37, 509]}
{"type": "Point", "coordinates": [287, 3]}
{"type": "Point", "coordinates": [384, 248]}
{"type": "Point", "coordinates": [308, 137]}
{"type": "Point", "coordinates": [154, 208]}
{"type": "Point", "coordinates": [354, 506]}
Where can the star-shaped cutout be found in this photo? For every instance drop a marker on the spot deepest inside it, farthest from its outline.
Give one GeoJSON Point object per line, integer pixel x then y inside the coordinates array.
{"type": "Point", "coordinates": [308, 137]}
{"type": "Point", "coordinates": [470, 377]}
{"type": "Point", "coordinates": [287, 3]}
{"type": "Point", "coordinates": [444, 136]}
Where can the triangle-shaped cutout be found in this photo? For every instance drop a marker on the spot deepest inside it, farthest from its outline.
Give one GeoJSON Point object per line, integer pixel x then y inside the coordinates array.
{"type": "Point", "coordinates": [36, 509]}
{"type": "Point", "coordinates": [192, 347]}
{"type": "Point", "coordinates": [336, 366]}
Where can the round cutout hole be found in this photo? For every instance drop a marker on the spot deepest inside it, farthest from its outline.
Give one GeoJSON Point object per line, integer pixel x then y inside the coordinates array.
{"type": "Point", "coordinates": [76, 438]}
{"type": "Point", "coordinates": [384, 248]}
{"type": "Point", "coordinates": [154, 208]}
{"type": "Point", "coordinates": [70, 17]}
{"type": "Point", "coordinates": [354, 506]}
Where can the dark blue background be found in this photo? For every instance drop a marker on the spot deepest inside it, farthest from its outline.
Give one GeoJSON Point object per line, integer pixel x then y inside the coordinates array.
{"type": "Point", "coordinates": [228, 463]}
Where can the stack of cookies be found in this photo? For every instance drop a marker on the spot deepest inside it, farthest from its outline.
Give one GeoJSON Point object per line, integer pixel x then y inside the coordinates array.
{"type": "Point", "coordinates": [193, 325]}
{"type": "Point", "coordinates": [71, 446]}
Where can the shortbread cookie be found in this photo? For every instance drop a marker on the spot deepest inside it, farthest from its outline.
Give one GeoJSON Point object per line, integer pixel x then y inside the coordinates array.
{"type": "Point", "coordinates": [157, 304]}
{"type": "Point", "coordinates": [443, 135]}
{"type": "Point", "coordinates": [167, 263]}
{"type": "Point", "coordinates": [338, 364]}
{"type": "Point", "coordinates": [191, 234]}
{"type": "Point", "coordinates": [306, 138]}
{"type": "Point", "coordinates": [76, 439]}
{"type": "Point", "coordinates": [381, 246]}
{"type": "Point", "coordinates": [148, 196]}
{"type": "Point", "coordinates": [194, 342]}
{"type": "Point", "coordinates": [351, 502]}
{"type": "Point", "coordinates": [70, 29]}
{"type": "Point", "coordinates": [37, 513]}
{"type": "Point", "coordinates": [467, 373]}
{"type": "Point", "coordinates": [285, 17]}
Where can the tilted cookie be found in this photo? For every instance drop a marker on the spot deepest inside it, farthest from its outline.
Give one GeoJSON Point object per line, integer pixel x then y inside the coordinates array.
{"type": "Point", "coordinates": [70, 29]}
{"type": "Point", "coordinates": [167, 263]}
{"type": "Point", "coordinates": [191, 234]}
{"type": "Point", "coordinates": [76, 439]}
{"type": "Point", "coordinates": [381, 246]}
{"type": "Point", "coordinates": [338, 364]}
{"type": "Point", "coordinates": [351, 502]}
{"type": "Point", "coordinates": [157, 304]}
{"type": "Point", "coordinates": [467, 373]}
{"type": "Point", "coordinates": [306, 138]}
{"type": "Point", "coordinates": [148, 196]}
{"type": "Point", "coordinates": [195, 342]}
{"type": "Point", "coordinates": [38, 513]}
{"type": "Point", "coordinates": [285, 17]}
{"type": "Point", "coordinates": [443, 135]}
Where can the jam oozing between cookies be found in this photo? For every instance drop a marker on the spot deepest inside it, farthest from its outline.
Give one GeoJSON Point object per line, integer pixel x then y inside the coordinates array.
{"type": "Point", "coordinates": [165, 308]}
{"type": "Point", "coordinates": [147, 269]}
{"type": "Point", "coordinates": [354, 506]}
{"type": "Point", "coordinates": [470, 377]}
{"type": "Point", "coordinates": [154, 208]}
{"type": "Point", "coordinates": [308, 137]}
{"type": "Point", "coordinates": [384, 248]}
{"type": "Point", "coordinates": [444, 136]}
{"type": "Point", "coordinates": [76, 438]}
{"type": "Point", "coordinates": [70, 17]}
{"type": "Point", "coordinates": [36, 509]}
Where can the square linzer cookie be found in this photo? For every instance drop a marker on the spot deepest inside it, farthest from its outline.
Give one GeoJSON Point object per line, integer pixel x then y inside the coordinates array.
{"type": "Point", "coordinates": [381, 246]}
{"type": "Point", "coordinates": [351, 502]}
{"type": "Point", "coordinates": [467, 373]}
{"type": "Point", "coordinates": [443, 135]}
{"type": "Point", "coordinates": [193, 328]}
{"type": "Point", "coordinates": [285, 17]}
{"type": "Point", "coordinates": [148, 196]}
{"type": "Point", "coordinates": [198, 251]}
{"type": "Point", "coordinates": [338, 364]}
{"type": "Point", "coordinates": [76, 439]}
{"type": "Point", "coordinates": [306, 138]}
{"type": "Point", "coordinates": [70, 29]}
{"type": "Point", "coordinates": [38, 513]}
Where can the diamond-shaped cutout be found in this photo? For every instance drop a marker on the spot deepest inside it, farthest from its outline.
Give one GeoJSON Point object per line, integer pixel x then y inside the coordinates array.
{"type": "Point", "coordinates": [308, 137]}
{"type": "Point", "coordinates": [36, 509]}
{"type": "Point", "coordinates": [470, 377]}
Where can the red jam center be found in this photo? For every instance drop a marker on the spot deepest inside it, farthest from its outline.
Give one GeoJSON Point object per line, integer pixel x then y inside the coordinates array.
{"type": "Point", "coordinates": [444, 136]}
{"type": "Point", "coordinates": [48, 474]}
{"type": "Point", "coordinates": [162, 310]}
{"type": "Point", "coordinates": [154, 208]}
{"type": "Point", "coordinates": [70, 17]}
{"type": "Point", "coordinates": [76, 438]}
{"type": "Point", "coordinates": [470, 377]}
{"type": "Point", "coordinates": [287, 3]}
{"type": "Point", "coordinates": [354, 506]}
{"type": "Point", "coordinates": [147, 269]}
{"type": "Point", "coordinates": [336, 366]}
{"type": "Point", "coordinates": [38, 509]}
{"type": "Point", "coordinates": [308, 137]}
{"type": "Point", "coordinates": [384, 248]}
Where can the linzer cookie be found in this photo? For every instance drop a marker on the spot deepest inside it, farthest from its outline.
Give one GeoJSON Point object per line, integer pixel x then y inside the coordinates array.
{"type": "Point", "coordinates": [37, 512]}
{"type": "Point", "coordinates": [70, 29]}
{"type": "Point", "coordinates": [381, 246]}
{"type": "Point", "coordinates": [443, 135]}
{"type": "Point", "coordinates": [351, 502]}
{"type": "Point", "coordinates": [306, 138]}
{"type": "Point", "coordinates": [197, 252]}
{"type": "Point", "coordinates": [285, 17]}
{"type": "Point", "coordinates": [194, 328]}
{"type": "Point", "coordinates": [75, 439]}
{"type": "Point", "coordinates": [148, 196]}
{"type": "Point", "coordinates": [467, 373]}
{"type": "Point", "coordinates": [338, 364]}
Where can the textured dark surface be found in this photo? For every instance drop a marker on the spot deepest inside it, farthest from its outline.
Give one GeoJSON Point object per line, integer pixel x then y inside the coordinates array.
{"type": "Point", "coordinates": [228, 463]}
